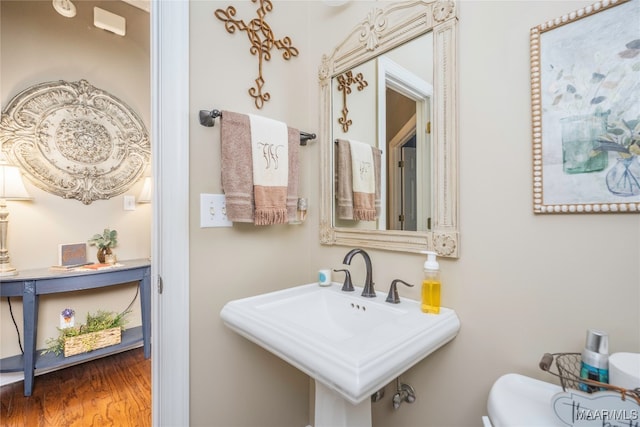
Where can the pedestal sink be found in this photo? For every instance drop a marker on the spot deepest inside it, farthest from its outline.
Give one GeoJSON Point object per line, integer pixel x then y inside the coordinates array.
{"type": "Point", "coordinates": [350, 345]}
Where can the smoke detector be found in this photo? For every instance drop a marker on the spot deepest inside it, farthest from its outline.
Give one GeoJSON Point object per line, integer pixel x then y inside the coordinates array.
{"type": "Point", "coordinates": [65, 8]}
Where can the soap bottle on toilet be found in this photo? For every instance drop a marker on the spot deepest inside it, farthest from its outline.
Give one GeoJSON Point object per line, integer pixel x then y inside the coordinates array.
{"type": "Point", "coordinates": [431, 285]}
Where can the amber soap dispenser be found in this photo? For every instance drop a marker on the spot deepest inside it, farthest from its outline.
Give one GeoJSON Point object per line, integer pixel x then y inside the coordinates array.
{"type": "Point", "coordinates": [431, 285]}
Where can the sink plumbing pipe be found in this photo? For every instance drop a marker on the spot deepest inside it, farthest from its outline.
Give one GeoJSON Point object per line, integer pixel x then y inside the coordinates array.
{"type": "Point", "coordinates": [404, 393]}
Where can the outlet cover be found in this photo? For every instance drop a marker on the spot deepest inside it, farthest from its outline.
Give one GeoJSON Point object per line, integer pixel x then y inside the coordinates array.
{"type": "Point", "coordinates": [213, 211]}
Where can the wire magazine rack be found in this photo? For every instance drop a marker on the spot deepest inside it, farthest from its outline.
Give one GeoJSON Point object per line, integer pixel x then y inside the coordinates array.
{"type": "Point", "coordinates": [568, 371]}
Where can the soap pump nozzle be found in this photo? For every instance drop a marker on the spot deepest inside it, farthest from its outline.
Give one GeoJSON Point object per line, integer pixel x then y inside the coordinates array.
{"type": "Point", "coordinates": [431, 263]}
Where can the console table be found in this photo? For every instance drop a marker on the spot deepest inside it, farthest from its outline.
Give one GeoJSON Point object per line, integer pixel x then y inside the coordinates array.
{"type": "Point", "coordinates": [30, 284]}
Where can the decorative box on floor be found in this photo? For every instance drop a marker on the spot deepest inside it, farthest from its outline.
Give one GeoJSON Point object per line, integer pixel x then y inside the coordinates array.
{"type": "Point", "coordinates": [91, 341]}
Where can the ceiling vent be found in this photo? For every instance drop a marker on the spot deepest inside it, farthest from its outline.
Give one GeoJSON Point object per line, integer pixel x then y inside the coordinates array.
{"type": "Point", "coordinates": [109, 21]}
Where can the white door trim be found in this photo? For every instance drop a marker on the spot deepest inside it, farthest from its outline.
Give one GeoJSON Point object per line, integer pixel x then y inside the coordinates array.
{"type": "Point", "coordinates": [170, 233]}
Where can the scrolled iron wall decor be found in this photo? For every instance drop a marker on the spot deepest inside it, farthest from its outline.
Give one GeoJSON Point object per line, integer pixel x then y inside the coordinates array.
{"type": "Point", "coordinates": [262, 41]}
{"type": "Point", "coordinates": [74, 140]}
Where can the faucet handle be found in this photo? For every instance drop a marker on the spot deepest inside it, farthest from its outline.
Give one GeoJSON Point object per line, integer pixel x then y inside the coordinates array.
{"type": "Point", "coordinates": [393, 296]}
{"type": "Point", "coordinates": [347, 285]}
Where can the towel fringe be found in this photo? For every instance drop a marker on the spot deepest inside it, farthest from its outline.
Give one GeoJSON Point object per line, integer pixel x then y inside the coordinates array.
{"type": "Point", "coordinates": [364, 215]}
{"type": "Point", "coordinates": [270, 216]}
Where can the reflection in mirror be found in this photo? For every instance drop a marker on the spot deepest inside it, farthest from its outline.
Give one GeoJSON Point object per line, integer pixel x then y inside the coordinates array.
{"type": "Point", "coordinates": [401, 100]}
{"type": "Point", "coordinates": [409, 113]}
{"type": "Point", "coordinates": [345, 81]}
{"type": "Point", "coordinates": [401, 164]}
{"type": "Point", "coordinates": [404, 106]}
{"type": "Point", "coordinates": [402, 169]}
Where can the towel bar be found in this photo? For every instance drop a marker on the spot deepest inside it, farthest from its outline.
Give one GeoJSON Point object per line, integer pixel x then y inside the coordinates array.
{"type": "Point", "coordinates": [208, 119]}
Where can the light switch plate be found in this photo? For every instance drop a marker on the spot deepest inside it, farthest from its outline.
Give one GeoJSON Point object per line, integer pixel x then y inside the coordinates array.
{"type": "Point", "coordinates": [129, 203]}
{"type": "Point", "coordinates": [213, 211]}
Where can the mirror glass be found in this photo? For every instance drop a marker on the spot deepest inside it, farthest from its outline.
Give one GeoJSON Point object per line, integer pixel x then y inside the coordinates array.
{"type": "Point", "coordinates": [396, 89]}
{"type": "Point", "coordinates": [391, 85]}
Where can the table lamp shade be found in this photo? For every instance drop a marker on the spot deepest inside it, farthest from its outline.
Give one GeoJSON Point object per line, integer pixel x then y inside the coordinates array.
{"type": "Point", "coordinates": [11, 185]}
{"type": "Point", "coordinates": [11, 188]}
{"type": "Point", "coordinates": [145, 193]}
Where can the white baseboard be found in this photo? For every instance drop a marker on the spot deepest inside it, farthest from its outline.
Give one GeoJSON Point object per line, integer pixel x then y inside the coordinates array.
{"type": "Point", "coordinates": [10, 377]}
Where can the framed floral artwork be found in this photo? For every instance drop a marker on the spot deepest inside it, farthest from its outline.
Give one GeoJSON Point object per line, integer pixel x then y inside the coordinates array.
{"type": "Point", "coordinates": [585, 99]}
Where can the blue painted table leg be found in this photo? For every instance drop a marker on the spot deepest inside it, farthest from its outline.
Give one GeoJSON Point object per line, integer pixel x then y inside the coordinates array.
{"type": "Point", "coordinates": [30, 324]}
{"type": "Point", "coordinates": [145, 302]}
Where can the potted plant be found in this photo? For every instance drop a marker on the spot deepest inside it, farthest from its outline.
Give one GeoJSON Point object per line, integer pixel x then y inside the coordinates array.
{"type": "Point", "coordinates": [105, 241]}
{"type": "Point", "coordinates": [101, 330]}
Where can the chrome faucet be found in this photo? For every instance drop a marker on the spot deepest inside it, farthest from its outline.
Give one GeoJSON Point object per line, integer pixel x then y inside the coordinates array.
{"type": "Point", "coordinates": [368, 290]}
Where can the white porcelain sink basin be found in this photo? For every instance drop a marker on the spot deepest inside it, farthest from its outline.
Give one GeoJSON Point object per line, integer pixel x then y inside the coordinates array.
{"type": "Point", "coordinates": [351, 344]}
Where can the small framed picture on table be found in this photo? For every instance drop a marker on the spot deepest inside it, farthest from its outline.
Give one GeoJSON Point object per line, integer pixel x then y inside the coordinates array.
{"type": "Point", "coordinates": [71, 254]}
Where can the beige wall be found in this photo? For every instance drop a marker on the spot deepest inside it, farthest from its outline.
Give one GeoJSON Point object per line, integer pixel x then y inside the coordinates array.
{"type": "Point", "coordinates": [524, 284]}
{"type": "Point", "coordinates": [39, 45]}
{"type": "Point", "coordinates": [234, 382]}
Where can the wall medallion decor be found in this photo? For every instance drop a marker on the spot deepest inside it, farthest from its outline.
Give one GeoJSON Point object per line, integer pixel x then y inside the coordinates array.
{"type": "Point", "coordinates": [262, 41]}
{"type": "Point", "coordinates": [585, 99]}
{"type": "Point", "coordinates": [74, 140]}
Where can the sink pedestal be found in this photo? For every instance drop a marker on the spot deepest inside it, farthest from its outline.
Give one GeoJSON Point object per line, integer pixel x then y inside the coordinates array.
{"type": "Point", "coordinates": [332, 410]}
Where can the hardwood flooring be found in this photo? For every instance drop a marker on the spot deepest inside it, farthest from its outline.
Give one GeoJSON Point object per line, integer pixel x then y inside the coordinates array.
{"type": "Point", "coordinates": [111, 391]}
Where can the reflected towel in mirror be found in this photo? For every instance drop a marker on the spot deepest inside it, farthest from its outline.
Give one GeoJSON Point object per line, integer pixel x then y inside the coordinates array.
{"type": "Point", "coordinates": [358, 181]}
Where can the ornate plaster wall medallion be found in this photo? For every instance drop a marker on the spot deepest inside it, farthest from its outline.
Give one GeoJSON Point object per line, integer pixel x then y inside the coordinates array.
{"type": "Point", "coordinates": [75, 140]}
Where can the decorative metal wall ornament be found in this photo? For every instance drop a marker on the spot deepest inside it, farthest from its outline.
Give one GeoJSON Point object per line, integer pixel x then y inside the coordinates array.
{"type": "Point", "coordinates": [345, 81]}
{"type": "Point", "coordinates": [262, 41]}
{"type": "Point", "coordinates": [74, 140]}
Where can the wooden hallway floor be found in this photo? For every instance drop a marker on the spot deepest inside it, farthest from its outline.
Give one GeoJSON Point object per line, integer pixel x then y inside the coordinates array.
{"type": "Point", "coordinates": [111, 391]}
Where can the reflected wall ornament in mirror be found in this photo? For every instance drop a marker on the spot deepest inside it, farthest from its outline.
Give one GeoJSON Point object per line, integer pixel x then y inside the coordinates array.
{"type": "Point", "coordinates": [374, 45]}
{"type": "Point", "coordinates": [345, 80]}
{"type": "Point", "coordinates": [262, 41]}
{"type": "Point", "coordinates": [74, 140]}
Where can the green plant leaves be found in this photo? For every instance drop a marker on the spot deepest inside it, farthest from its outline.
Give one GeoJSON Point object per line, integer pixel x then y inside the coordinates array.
{"type": "Point", "coordinates": [108, 239]}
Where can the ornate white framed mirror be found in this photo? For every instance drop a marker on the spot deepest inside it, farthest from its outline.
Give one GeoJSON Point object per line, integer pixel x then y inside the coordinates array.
{"type": "Point", "coordinates": [407, 54]}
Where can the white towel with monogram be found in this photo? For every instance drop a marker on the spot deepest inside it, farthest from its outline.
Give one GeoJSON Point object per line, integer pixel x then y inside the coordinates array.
{"type": "Point", "coordinates": [270, 155]}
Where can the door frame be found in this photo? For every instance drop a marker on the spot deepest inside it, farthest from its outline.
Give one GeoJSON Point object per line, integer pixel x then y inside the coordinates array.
{"type": "Point", "coordinates": [170, 218]}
